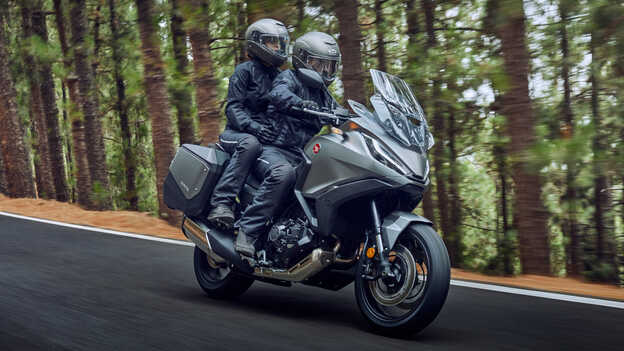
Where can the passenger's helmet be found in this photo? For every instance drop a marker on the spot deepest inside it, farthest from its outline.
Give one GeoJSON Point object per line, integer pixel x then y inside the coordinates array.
{"type": "Point", "coordinates": [267, 40]}
{"type": "Point", "coordinates": [317, 51]}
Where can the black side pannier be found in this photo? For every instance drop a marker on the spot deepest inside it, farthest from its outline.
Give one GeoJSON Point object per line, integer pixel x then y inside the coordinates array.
{"type": "Point", "coordinates": [193, 173]}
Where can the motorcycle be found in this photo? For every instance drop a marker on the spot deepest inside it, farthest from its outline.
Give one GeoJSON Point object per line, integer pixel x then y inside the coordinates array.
{"type": "Point", "coordinates": [348, 220]}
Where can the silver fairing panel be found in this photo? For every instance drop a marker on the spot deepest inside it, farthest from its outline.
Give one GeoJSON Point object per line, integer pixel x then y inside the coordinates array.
{"type": "Point", "coordinates": [342, 159]}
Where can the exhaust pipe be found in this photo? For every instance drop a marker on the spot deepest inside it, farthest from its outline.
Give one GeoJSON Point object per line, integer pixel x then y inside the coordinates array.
{"type": "Point", "coordinates": [220, 247]}
{"type": "Point", "coordinates": [315, 262]}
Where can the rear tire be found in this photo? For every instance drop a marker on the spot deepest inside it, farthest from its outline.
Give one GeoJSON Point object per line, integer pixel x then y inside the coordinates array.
{"type": "Point", "coordinates": [217, 280]}
{"type": "Point", "coordinates": [427, 284]}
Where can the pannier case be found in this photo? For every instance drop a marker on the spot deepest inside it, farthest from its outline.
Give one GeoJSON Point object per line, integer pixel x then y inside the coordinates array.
{"type": "Point", "coordinates": [193, 173]}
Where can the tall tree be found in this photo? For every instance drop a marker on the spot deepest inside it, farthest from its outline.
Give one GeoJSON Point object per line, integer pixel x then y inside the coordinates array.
{"type": "Point", "coordinates": [241, 27]}
{"type": "Point", "coordinates": [43, 167]}
{"type": "Point", "coordinates": [180, 90]}
{"type": "Point", "coordinates": [349, 41]}
{"type": "Point", "coordinates": [380, 33]}
{"type": "Point", "coordinates": [570, 224]}
{"type": "Point", "coordinates": [415, 79]}
{"type": "Point", "coordinates": [439, 150]}
{"type": "Point", "coordinates": [15, 155]}
{"type": "Point", "coordinates": [121, 105]}
{"type": "Point", "coordinates": [602, 193]}
{"type": "Point", "coordinates": [530, 215]}
{"type": "Point", "coordinates": [90, 106]}
{"type": "Point", "coordinates": [81, 164]}
{"type": "Point", "coordinates": [48, 97]}
{"type": "Point", "coordinates": [157, 101]}
{"type": "Point", "coordinates": [198, 17]}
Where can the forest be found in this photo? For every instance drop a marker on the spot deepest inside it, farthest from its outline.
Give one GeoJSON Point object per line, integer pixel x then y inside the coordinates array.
{"type": "Point", "coordinates": [524, 99]}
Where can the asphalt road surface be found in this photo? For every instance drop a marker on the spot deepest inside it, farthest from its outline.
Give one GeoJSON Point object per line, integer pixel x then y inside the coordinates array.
{"type": "Point", "coordinates": [70, 289]}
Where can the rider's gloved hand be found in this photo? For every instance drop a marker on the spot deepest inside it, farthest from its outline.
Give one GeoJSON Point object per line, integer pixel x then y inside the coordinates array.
{"type": "Point", "coordinates": [266, 135]}
{"type": "Point", "coordinates": [309, 104]}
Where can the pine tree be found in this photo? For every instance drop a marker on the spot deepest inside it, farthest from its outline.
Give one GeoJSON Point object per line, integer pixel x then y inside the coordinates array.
{"type": "Point", "coordinates": [15, 156]}
{"type": "Point", "coordinates": [157, 102]}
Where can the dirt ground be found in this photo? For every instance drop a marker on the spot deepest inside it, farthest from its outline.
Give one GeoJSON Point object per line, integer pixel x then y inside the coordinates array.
{"type": "Point", "coordinates": [143, 223]}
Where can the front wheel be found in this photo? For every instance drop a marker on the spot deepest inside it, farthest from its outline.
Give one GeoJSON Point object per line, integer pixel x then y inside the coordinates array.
{"type": "Point", "coordinates": [421, 265]}
{"type": "Point", "coordinates": [218, 280]}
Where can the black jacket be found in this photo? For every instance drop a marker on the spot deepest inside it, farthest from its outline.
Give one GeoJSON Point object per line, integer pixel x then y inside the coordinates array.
{"type": "Point", "coordinates": [295, 129]}
{"type": "Point", "coordinates": [247, 98]}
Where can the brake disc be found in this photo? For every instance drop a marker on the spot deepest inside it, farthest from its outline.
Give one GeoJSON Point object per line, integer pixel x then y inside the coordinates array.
{"type": "Point", "coordinates": [406, 265]}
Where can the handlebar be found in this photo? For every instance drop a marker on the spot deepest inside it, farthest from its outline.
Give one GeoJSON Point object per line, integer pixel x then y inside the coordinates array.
{"type": "Point", "coordinates": [327, 118]}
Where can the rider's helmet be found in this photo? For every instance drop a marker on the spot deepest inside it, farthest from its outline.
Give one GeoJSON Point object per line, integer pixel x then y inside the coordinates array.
{"type": "Point", "coordinates": [317, 51]}
{"type": "Point", "coordinates": [267, 40]}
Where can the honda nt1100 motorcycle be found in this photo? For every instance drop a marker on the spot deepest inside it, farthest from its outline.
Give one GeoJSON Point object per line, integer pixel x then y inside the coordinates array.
{"type": "Point", "coordinates": [348, 219]}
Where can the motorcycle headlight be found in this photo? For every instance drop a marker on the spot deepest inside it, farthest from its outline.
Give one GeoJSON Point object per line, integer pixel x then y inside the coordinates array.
{"type": "Point", "coordinates": [385, 156]}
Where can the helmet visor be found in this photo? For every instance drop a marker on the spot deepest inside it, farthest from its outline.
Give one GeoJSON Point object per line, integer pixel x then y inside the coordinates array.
{"type": "Point", "coordinates": [326, 67]}
{"type": "Point", "coordinates": [275, 43]}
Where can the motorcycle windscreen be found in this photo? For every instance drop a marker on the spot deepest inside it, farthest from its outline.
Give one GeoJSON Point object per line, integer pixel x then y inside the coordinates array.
{"type": "Point", "coordinates": [398, 111]}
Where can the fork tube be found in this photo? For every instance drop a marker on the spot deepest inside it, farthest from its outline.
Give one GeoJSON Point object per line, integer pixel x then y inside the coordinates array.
{"type": "Point", "coordinates": [384, 264]}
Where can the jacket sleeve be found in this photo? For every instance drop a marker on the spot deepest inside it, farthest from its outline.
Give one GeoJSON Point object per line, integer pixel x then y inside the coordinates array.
{"type": "Point", "coordinates": [235, 111]}
{"type": "Point", "coordinates": [282, 95]}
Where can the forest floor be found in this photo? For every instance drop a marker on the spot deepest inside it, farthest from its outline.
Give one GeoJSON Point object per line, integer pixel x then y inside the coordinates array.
{"type": "Point", "coordinates": [143, 223]}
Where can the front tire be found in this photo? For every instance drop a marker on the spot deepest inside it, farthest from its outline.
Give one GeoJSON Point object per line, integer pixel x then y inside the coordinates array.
{"type": "Point", "coordinates": [217, 280]}
{"type": "Point", "coordinates": [422, 263]}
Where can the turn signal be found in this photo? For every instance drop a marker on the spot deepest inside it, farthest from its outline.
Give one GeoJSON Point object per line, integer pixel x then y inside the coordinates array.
{"type": "Point", "coordinates": [370, 253]}
{"type": "Point", "coordinates": [351, 126]}
{"type": "Point", "coordinates": [336, 131]}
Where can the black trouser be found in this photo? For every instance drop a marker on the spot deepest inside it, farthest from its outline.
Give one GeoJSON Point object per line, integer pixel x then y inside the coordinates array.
{"type": "Point", "coordinates": [244, 149]}
{"type": "Point", "coordinates": [276, 168]}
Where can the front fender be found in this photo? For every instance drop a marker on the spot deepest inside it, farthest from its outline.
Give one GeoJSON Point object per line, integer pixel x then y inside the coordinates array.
{"type": "Point", "coordinates": [396, 222]}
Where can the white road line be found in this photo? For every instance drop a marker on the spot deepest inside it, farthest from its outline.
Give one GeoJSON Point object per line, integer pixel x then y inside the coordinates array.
{"type": "Point", "coordinates": [462, 283]}
{"type": "Point", "coordinates": [100, 230]}
{"type": "Point", "coordinates": [542, 294]}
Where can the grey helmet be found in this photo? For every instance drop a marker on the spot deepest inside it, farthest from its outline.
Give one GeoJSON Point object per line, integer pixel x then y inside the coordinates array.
{"type": "Point", "coordinates": [317, 51]}
{"type": "Point", "coordinates": [263, 32]}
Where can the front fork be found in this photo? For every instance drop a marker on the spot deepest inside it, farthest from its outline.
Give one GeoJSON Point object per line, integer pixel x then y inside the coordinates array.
{"type": "Point", "coordinates": [381, 254]}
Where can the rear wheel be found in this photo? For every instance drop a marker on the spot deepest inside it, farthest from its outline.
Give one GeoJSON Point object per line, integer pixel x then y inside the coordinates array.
{"type": "Point", "coordinates": [217, 279]}
{"type": "Point", "coordinates": [421, 265]}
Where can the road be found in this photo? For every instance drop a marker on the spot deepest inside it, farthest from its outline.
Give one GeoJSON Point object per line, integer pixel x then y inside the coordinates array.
{"type": "Point", "coordinates": [70, 289]}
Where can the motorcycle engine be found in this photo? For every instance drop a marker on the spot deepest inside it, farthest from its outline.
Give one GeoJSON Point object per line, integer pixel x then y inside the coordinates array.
{"type": "Point", "coordinates": [289, 241]}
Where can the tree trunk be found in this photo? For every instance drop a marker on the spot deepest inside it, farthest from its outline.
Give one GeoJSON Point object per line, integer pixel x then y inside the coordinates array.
{"type": "Point", "coordinates": [97, 42]}
{"type": "Point", "coordinates": [43, 167]}
{"type": "Point", "coordinates": [506, 245]}
{"type": "Point", "coordinates": [441, 173]}
{"type": "Point", "coordinates": [349, 41]}
{"type": "Point", "coordinates": [570, 225]}
{"type": "Point", "coordinates": [90, 107]}
{"type": "Point", "coordinates": [529, 212]}
{"type": "Point", "coordinates": [241, 27]}
{"type": "Point", "coordinates": [122, 109]}
{"type": "Point", "coordinates": [455, 211]}
{"type": "Point", "coordinates": [602, 193]}
{"type": "Point", "coordinates": [412, 23]}
{"type": "Point", "coordinates": [157, 101]}
{"type": "Point", "coordinates": [81, 165]}
{"type": "Point", "coordinates": [55, 142]}
{"type": "Point", "coordinates": [66, 131]}
{"type": "Point", "coordinates": [14, 151]}
{"type": "Point", "coordinates": [379, 31]}
{"type": "Point", "coordinates": [205, 83]}
{"type": "Point", "coordinates": [181, 93]}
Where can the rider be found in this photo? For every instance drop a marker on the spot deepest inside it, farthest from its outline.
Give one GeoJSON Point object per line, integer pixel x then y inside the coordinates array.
{"type": "Point", "coordinates": [247, 100]}
{"type": "Point", "coordinates": [276, 165]}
